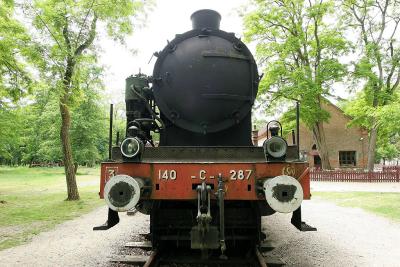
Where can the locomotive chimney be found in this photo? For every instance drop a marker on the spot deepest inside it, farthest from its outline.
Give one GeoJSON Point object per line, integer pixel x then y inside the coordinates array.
{"type": "Point", "coordinates": [205, 18]}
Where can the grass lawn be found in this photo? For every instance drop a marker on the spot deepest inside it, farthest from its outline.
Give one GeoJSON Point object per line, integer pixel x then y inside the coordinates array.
{"type": "Point", "coordinates": [33, 200]}
{"type": "Point", "coordinates": [384, 204]}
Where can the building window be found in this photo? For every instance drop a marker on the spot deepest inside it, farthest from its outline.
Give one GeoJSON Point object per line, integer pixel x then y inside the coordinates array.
{"type": "Point", "coordinates": [347, 158]}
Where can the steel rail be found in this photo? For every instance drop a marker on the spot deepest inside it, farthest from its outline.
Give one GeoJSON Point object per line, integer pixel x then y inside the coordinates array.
{"type": "Point", "coordinates": [156, 258]}
{"type": "Point", "coordinates": [153, 260]}
{"type": "Point", "coordinates": [260, 257]}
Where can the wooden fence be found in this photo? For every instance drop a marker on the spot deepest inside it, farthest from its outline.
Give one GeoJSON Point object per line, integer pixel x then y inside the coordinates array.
{"type": "Point", "coordinates": [390, 168]}
{"type": "Point", "coordinates": [386, 175]}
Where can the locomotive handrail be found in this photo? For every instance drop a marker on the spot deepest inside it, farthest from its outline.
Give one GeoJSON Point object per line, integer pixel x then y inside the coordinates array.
{"type": "Point", "coordinates": [223, 54]}
{"type": "Point", "coordinates": [268, 128]}
{"type": "Point", "coordinates": [227, 96]}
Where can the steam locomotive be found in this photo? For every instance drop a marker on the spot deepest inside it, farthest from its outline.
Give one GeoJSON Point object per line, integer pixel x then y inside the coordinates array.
{"type": "Point", "coordinates": [205, 185]}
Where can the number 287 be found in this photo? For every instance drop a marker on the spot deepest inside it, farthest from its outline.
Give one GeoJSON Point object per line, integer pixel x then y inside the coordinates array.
{"type": "Point", "coordinates": [240, 174]}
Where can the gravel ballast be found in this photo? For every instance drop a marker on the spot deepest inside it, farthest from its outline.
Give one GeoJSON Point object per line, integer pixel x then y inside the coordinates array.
{"type": "Point", "coordinates": [345, 237]}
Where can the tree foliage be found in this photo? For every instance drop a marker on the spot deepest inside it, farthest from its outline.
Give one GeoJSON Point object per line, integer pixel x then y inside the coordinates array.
{"type": "Point", "coordinates": [388, 139]}
{"type": "Point", "coordinates": [10, 138]}
{"type": "Point", "coordinates": [15, 54]}
{"type": "Point", "coordinates": [30, 133]}
{"type": "Point", "coordinates": [299, 52]}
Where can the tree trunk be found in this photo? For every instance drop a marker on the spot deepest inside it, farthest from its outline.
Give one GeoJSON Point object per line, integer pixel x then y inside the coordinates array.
{"type": "Point", "coordinates": [319, 137]}
{"type": "Point", "coordinates": [69, 166]}
{"type": "Point", "coordinates": [76, 165]}
{"type": "Point", "coordinates": [372, 147]}
{"type": "Point", "coordinates": [373, 134]}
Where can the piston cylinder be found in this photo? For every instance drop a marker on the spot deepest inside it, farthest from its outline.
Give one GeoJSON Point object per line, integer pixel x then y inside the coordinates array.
{"type": "Point", "coordinates": [283, 193]}
{"type": "Point", "coordinates": [122, 192]}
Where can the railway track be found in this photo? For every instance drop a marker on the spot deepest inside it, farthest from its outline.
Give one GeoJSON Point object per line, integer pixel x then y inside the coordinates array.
{"type": "Point", "coordinates": [142, 254]}
{"type": "Point", "coordinates": [178, 257]}
{"type": "Point", "coordinates": [252, 258]}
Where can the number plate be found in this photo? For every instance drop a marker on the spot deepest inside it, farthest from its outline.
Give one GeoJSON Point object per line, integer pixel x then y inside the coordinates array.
{"type": "Point", "coordinates": [234, 174]}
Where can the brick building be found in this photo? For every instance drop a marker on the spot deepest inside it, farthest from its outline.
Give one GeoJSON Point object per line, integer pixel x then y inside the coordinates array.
{"type": "Point", "coordinates": [347, 146]}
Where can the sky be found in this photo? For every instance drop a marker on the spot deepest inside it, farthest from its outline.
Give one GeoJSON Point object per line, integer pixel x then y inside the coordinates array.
{"type": "Point", "coordinates": [165, 20]}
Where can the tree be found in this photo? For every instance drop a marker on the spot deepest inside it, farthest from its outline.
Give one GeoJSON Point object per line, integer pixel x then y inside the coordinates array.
{"type": "Point", "coordinates": [89, 132]}
{"type": "Point", "coordinates": [388, 117]}
{"type": "Point", "coordinates": [10, 140]}
{"type": "Point", "coordinates": [298, 51]}
{"type": "Point", "coordinates": [377, 24]}
{"type": "Point", "coordinates": [388, 143]}
{"type": "Point", "coordinates": [65, 32]}
{"type": "Point", "coordinates": [29, 132]}
{"type": "Point", "coordinates": [41, 128]}
{"type": "Point", "coordinates": [15, 53]}
{"type": "Point", "coordinates": [42, 121]}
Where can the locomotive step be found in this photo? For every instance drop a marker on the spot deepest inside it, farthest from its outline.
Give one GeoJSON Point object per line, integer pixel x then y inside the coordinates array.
{"type": "Point", "coordinates": [142, 245]}
{"type": "Point", "coordinates": [130, 259]}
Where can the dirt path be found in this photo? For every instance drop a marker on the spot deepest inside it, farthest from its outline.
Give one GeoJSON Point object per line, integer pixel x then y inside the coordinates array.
{"type": "Point", "coordinates": [345, 237]}
{"type": "Point", "coordinates": [73, 243]}
{"type": "Point", "coordinates": [354, 186]}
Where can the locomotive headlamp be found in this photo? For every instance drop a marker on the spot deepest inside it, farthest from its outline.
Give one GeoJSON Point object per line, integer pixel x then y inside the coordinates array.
{"type": "Point", "coordinates": [275, 147]}
{"type": "Point", "coordinates": [131, 147]}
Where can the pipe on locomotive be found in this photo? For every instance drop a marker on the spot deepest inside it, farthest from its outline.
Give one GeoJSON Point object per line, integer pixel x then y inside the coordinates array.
{"type": "Point", "coordinates": [122, 192]}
